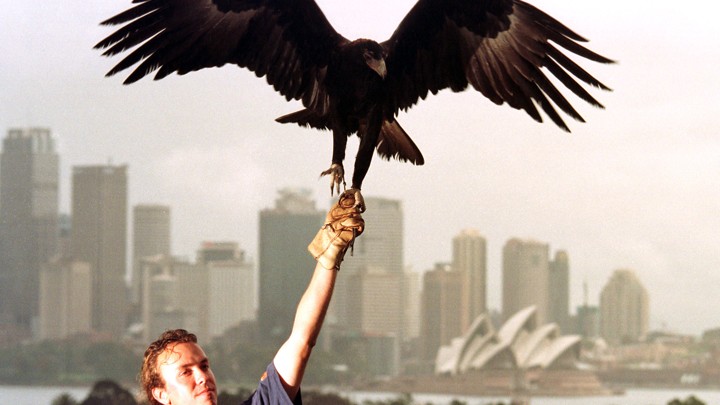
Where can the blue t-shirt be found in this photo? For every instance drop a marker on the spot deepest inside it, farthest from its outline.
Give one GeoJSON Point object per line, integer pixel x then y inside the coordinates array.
{"type": "Point", "coordinates": [270, 391]}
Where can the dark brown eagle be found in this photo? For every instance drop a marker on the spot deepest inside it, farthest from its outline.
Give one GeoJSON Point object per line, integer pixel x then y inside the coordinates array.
{"type": "Point", "coordinates": [499, 47]}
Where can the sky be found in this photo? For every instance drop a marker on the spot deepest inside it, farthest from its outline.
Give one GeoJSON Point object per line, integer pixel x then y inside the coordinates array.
{"type": "Point", "coordinates": [636, 186]}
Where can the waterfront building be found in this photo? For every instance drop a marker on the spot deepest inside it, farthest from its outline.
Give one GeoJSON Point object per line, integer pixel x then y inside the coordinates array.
{"type": "Point", "coordinates": [99, 237]}
{"type": "Point", "coordinates": [29, 173]}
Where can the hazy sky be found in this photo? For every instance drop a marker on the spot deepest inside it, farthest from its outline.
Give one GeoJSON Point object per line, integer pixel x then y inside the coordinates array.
{"type": "Point", "coordinates": [637, 186]}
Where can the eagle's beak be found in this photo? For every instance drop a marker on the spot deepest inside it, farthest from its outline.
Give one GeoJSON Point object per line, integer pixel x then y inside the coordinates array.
{"type": "Point", "coordinates": [378, 65]}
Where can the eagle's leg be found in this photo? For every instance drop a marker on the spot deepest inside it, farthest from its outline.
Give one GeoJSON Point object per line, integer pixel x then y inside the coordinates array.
{"type": "Point", "coordinates": [337, 176]}
{"type": "Point", "coordinates": [364, 156]}
{"type": "Point", "coordinates": [336, 170]}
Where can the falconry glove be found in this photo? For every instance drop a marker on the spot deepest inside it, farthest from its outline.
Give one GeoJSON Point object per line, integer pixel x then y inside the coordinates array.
{"type": "Point", "coordinates": [342, 225]}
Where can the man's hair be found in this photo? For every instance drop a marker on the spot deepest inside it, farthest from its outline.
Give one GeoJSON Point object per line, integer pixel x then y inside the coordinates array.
{"type": "Point", "coordinates": [149, 373]}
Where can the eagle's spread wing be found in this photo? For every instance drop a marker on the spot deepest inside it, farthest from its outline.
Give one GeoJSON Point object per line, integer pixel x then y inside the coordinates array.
{"type": "Point", "coordinates": [288, 41]}
{"type": "Point", "coordinates": [497, 46]}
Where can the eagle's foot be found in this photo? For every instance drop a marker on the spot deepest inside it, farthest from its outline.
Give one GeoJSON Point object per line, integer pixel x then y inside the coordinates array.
{"type": "Point", "coordinates": [359, 200]}
{"type": "Point", "coordinates": [337, 177]}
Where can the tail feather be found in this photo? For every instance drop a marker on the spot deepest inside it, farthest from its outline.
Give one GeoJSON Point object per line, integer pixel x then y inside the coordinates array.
{"type": "Point", "coordinates": [395, 143]}
{"type": "Point", "coordinates": [304, 118]}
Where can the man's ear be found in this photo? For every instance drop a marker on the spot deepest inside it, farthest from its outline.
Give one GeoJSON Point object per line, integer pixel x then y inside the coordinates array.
{"type": "Point", "coordinates": [160, 395]}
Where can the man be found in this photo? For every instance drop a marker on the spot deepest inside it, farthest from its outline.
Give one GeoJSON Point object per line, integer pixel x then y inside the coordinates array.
{"type": "Point", "coordinates": [176, 371]}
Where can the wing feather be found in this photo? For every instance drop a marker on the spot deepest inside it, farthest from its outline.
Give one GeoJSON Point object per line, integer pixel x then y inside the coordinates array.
{"type": "Point", "coordinates": [505, 49]}
{"type": "Point", "coordinates": [289, 42]}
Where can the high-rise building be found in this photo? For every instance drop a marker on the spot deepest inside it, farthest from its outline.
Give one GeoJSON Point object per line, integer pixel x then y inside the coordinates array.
{"type": "Point", "coordinates": [285, 266]}
{"type": "Point", "coordinates": [413, 300]}
{"type": "Point", "coordinates": [559, 285]}
{"type": "Point", "coordinates": [624, 308]}
{"type": "Point", "coordinates": [525, 278]}
{"type": "Point", "coordinates": [470, 259]}
{"type": "Point", "coordinates": [231, 285]}
{"type": "Point", "coordinates": [65, 299]}
{"type": "Point", "coordinates": [377, 302]}
{"type": "Point", "coordinates": [378, 251]}
{"type": "Point", "coordinates": [175, 295]}
{"type": "Point", "coordinates": [151, 237]}
{"type": "Point", "coordinates": [29, 167]}
{"type": "Point", "coordinates": [441, 315]}
{"type": "Point", "coordinates": [99, 237]}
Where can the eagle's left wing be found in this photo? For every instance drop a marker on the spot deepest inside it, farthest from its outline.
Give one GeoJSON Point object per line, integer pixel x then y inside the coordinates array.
{"type": "Point", "coordinates": [497, 46]}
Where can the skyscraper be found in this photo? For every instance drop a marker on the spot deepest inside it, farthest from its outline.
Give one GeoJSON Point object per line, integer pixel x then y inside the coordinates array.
{"type": "Point", "coordinates": [525, 278]}
{"type": "Point", "coordinates": [470, 260]}
{"type": "Point", "coordinates": [231, 285]}
{"type": "Point", "coordinates": [65, 299]}
{"type": "Point", "coordinates": [559, 293]}
{"type": "Point", "coordinates": [285, 266]}
{"type": "Point", "coordinates": [28, 220]}
{"type": "Point", "coordinates": [99, 237]}
{"type": "Point", "coordinates": [377, 254]}
{"type": "Point", "coordinates": [151, 237]}
{"type": "Point", "coordinates": [441, 315]}
{"type": "Point", "coordinates": [624, 308]}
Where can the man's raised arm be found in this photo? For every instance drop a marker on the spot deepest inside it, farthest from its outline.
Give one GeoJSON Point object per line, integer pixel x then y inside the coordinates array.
{"type": "Point", "coordinates": [342, 225]}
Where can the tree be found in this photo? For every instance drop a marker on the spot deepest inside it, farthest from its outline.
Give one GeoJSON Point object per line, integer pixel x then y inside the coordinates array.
{"type": "Point", "coordinates": [108, 392]}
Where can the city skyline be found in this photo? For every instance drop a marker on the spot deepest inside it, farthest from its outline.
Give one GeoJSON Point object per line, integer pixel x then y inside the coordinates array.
{"type": "Point", "coordinates": [302, 206]}
{"type": "Point", "coordinates": [635, 186]}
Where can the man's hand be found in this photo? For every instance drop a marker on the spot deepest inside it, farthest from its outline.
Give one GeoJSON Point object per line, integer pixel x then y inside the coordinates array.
{"type": "Point", "coordinates": [343, 224]}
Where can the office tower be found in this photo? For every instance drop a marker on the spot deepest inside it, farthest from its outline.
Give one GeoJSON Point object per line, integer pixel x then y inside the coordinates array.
{"type": "Point", "coordinates": [525, 278]}
{"type": "Point", "coordinates": [28, 220]}
{"type": "Point", "coordinates": [231, 282]}
{"type": "Point", "coordinates": [381, 245]}
{"type": "Point", "coordinates": [175, 295]}
{"type": "Point", "coordinates": [99, 237]}
{"type": "Point", "coordinates": [441, 315]}
{"type": "Point", "coordinates": [379, 250]}
{"type": "Point", "coordinates": [559, 291]}
{"type": "Point", "coordinates": [151, 237]}
{"type": "Point", "coordinates": [470, 259]}
{"type": "Point", "coordinates": [624, 309]}
{"type": "Point", "coordinates": [65, 299]}
{"type": "Point", "coordinates": [377, 301]}
{"type": "Point", "coordinates": [285, 266]}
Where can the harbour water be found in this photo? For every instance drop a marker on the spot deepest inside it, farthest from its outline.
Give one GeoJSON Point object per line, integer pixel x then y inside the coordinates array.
{"type": "Point", "coordinates": [20, 395]}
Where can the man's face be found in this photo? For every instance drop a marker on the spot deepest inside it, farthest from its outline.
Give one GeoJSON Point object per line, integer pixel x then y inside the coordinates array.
{"type": "Point", "coordinates": [187, 375]}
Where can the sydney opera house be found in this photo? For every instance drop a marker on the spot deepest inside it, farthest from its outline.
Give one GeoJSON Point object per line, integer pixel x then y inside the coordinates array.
{"type": "Point", "coordinates": [520, 344]}
{"type": "Point", "coordinates": [522, 356]}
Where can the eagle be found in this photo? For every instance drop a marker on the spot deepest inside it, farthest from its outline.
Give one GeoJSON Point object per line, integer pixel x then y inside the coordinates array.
{"type": "Point", "coordinates": [502, 48]}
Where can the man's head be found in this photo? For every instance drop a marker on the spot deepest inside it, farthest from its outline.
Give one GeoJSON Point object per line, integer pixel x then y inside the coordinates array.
{"type": "Point", "coordinates": [176, 371]}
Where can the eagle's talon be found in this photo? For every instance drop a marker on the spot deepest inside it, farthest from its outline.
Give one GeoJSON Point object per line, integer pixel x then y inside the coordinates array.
{"type": "Point", "coordinates": [337, 177]}
{"type": "Point", "coordinates": [359, 200]}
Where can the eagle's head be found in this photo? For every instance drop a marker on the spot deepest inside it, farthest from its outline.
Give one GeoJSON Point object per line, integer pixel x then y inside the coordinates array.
{"type": "Point", "coordinates": [373, 55]}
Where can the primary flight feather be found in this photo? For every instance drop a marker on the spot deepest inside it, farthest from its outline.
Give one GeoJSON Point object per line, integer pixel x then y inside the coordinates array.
{"type": "Point", "coordinates": [499, 47]}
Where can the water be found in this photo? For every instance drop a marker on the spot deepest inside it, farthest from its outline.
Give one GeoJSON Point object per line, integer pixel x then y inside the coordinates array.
{"type": "Point", "coordinates": [18, 395]}
{"type": "Point", "coordinates": [631, 397]}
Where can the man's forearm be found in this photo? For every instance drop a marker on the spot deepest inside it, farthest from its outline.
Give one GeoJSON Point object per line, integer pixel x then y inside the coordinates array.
{"type": "Point", "coordinates": [291, 359]}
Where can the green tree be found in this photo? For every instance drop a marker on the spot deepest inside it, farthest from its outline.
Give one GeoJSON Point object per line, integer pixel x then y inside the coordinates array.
{"type": "Point", "coordinates": [113, 361]}
{"type": "Point", "coordinates": [108, 392]}
{"type": "Point", "coordinates": [691, 400]}
{"type": "Point", "coordinates": [64, 399]}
